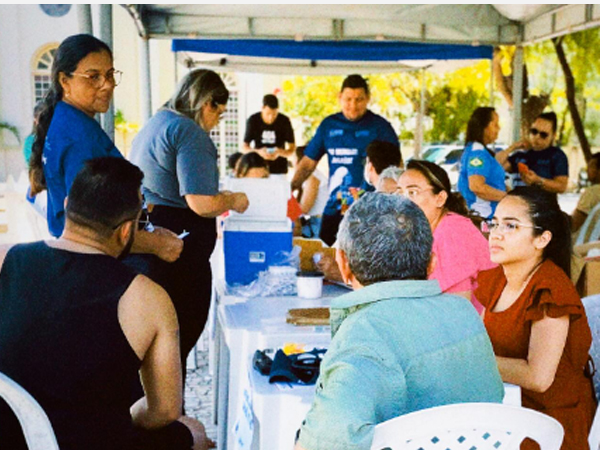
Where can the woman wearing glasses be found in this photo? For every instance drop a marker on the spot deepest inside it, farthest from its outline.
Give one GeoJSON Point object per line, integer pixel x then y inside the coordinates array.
{"type": "Point", "coordinates": [460, 249]}
{"type": "Point", "coordinates": [538, 161]}
{"type": "Point", "coordinates": [179, 160]}
{"type": "Point", "coordinates": [481, 178]}
{"type": "Point", "coordinates": [66, 134]}
{"type": "Point", "coordinates": [534, 317]}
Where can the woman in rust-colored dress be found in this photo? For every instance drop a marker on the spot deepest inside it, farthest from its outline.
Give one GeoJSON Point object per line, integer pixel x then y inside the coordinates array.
{"type": "Point", "coordinates": [534, 316]}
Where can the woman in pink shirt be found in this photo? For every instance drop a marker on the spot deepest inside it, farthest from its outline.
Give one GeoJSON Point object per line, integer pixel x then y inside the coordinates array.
{"type": "Point", "coordinates": [460, 250]}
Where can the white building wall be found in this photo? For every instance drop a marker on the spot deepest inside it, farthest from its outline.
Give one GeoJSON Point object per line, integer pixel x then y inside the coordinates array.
{"type": "Point", "coordinates": [24, 30]}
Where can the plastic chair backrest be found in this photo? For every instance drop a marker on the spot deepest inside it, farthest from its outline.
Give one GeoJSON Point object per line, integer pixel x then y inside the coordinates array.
{"type": "Point", "coordinates": [590, 230]}
{"type": "Point", "coordinates": [592, 311]}
{"type": "Point", "coordinates": [34, 421]}
{"type": "Point", "coordinates": [467, 426]}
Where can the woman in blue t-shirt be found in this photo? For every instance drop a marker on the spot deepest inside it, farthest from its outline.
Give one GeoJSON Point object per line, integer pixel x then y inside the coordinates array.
{"type": "Point", "coordinates": [481, 179]}
{"type": "Point", "coordinates": [66, 134]}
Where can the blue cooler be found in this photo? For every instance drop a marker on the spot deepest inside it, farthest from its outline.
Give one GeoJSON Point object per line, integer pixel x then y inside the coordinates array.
{"type": "Point", "coordinates": [261, 236]}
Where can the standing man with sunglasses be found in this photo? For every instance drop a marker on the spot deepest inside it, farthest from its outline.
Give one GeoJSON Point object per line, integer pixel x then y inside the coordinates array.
{"type": "Point", "coordinates": [537, 160]}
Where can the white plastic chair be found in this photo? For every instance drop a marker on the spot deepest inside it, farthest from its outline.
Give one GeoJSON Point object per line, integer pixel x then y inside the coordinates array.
{"type": "Point", "coordinates": [34, 421]}
{"type": "Point", "coordinates": [477, 426]}
{"type": "Point", "coordinates": [590, 230]}
{"type": "Point", "coordinates": [592, 311]}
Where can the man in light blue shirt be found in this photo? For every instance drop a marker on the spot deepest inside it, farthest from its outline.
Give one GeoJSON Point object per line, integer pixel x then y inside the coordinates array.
{"type": "Point", "coordinates": [399, 345]}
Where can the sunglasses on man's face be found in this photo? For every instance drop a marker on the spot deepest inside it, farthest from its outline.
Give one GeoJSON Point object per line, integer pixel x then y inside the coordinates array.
{"type": "Point", "coordinates": [535, 132]}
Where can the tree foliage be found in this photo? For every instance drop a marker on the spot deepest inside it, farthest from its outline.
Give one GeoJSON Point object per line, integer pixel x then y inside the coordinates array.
{"type": "Point", "coordinates": [450, 98]}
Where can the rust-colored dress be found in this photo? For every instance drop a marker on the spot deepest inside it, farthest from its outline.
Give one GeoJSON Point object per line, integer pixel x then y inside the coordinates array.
{"type": "Point", "coordinates": [570, 399]}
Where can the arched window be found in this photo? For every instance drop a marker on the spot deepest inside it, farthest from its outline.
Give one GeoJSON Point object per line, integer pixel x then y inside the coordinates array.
{"type": "Point", "coordinates": [42, 66]}
{"type": "Point", "coordinates": [226, 135]}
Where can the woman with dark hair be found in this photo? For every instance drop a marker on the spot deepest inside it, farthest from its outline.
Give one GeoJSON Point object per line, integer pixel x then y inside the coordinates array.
{"type": "Point", "coordinates": [481, 179]}
{"type": "Point", "coordinates": [535, 319]}
{"type": "Point", "coordinates": [252, 165]}
{"type": "Point", "coordinates": [66, 134]}
{"type": "Point", "coordinates": [181, 186]}
{"type": "Point", "coordinates": [536, 159]}
{"type": "Point", "coordinates": [460, 249]}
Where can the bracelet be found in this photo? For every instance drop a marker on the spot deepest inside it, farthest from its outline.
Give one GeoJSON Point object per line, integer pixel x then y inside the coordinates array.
{"type": "Point", "coordinates": [540, 183]}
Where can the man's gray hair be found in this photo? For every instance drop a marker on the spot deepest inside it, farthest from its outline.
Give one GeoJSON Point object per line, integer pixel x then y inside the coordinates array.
{"type": "Point", "coordinates": [391, 172]}
{"type": "Point", "coordinates": [386, 237]}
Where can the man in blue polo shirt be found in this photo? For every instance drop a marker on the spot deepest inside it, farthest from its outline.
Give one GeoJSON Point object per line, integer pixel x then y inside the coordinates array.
{"type": "Point", "coordinates": [537, 161]}
{"type": "Point", "coordinates": [344, 138]}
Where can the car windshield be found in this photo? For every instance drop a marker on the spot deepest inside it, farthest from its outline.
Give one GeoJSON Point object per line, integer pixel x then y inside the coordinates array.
{"type": "Point", "coordinates": [430, 154]}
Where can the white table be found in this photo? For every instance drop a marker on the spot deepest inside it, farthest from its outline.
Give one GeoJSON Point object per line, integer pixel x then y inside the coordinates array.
{"type": "Point", "coordinates": [242, 327]}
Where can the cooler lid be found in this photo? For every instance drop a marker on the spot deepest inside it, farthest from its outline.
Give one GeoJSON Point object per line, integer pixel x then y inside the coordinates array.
{"type": "Point", "coordinates": [267, 197]}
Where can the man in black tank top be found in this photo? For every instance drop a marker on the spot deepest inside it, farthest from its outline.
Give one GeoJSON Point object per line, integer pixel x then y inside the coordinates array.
{"type": "Point", "coordinates": [76, 326]}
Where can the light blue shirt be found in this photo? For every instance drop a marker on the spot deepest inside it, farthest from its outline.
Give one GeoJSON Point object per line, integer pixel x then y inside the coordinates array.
{"type": "Point", "coordinates": [397, 347]}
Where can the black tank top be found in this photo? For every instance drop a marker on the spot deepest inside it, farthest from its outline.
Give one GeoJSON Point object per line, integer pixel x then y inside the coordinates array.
{"type": "Point", "coordinates": [60, 339]}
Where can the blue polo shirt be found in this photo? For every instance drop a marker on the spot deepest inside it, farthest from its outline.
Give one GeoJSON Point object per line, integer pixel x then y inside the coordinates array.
{"type": "Point", "coordinates": [397, 347]}
{"type": "Point", "coordinates": [548, 163]}
{"type": "Point", "coordinates": [345, 142]}
{"type": "Point", "coordinates": [477, 160]}
{"type": "Point", "coordinates": [73, 137]}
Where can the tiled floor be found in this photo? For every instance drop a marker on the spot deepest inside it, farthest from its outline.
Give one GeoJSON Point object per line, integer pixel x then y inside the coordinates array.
{"type": "Point", "coordinates": [198, 392]}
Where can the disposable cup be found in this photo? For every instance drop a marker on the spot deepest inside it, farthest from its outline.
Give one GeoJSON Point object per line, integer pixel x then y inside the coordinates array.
{"type": "Point", "coordinates": [310, 284]}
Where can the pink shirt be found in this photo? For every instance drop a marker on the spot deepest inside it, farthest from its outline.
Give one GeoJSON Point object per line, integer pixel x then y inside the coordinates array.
{"type": "Point", "coordinates": [461, 252]}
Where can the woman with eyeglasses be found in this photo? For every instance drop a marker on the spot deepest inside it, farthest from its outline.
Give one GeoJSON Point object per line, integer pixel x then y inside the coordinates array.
{"type": "Point", "coordinates": [181, 186]}
{"type": "Point", "coordinates": [481, 177]}
{"type": "Point", "coordinates": [66, 134]}
{"type": "Point", "coordinates": [460, 250]}
{"type": "Point", "coordinates": [536, 159]}
{"type": "Point", "coordinates": [534, 316]}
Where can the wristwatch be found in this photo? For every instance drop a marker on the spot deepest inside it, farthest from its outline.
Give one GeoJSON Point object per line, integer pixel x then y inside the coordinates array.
{"type": "Point", "coordinates": [539, 183]}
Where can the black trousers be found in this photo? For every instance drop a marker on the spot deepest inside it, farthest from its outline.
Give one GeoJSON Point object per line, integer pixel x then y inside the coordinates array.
{"type": "Point", "coordinates": [188, 281]}
{"type": "Point", "coordinates": [329, 227]}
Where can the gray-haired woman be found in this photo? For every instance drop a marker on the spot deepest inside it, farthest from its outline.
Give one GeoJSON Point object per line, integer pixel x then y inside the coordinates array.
{"type": "Point", "coordinates": [181, 186]}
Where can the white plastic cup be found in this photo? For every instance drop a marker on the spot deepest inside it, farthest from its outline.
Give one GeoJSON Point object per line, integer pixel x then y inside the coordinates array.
{"type": "Point", "coordinates": [310, 284]}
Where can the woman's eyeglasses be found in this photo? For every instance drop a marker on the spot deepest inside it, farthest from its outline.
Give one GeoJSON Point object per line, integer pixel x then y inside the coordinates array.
{"type": "Point", "coordinates": [535, 132]}
{"type": "Point", "coordinates": [97, 80]}
{"type": "Point", "coordinates": [492, 226]}
{"type": "Point", "coordinates": [411, 193]}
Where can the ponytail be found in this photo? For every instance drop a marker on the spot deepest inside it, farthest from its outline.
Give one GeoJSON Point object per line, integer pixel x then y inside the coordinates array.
{"type": "Point", "coordinates": [37, 180]}
{"type": "Point", "coordinates": [457, 204]}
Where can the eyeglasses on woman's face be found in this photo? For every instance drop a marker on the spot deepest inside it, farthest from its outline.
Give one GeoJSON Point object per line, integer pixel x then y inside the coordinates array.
{"type": "Point", "coordinates": [493, 226]}
{"type": "Point", "coordinates": [97, 80]}
{"type": "Point", "coordinates": [412, 193]}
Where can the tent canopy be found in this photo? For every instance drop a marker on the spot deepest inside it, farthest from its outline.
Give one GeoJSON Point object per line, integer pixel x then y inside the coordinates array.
{"type": "Point", "coordinates": [324, 57]}
{"type": "Point", "coordinates": [470, 24]}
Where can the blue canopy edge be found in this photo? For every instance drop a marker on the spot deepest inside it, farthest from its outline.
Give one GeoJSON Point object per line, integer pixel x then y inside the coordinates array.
{"type": "Point", "coordinates": [334, 50]}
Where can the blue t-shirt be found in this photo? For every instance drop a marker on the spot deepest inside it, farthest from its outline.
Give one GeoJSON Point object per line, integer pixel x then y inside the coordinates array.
{"type": "Point", "coordinates": [548, 163]}
{"type": "Point", "coordinates": [177, 157]}
{"type": "Point", "coordinates": [73, 137]}
{"type": "Point", "coordinates": [345, 142]}
{"type": "Point", "coordinates": [477, 160]}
